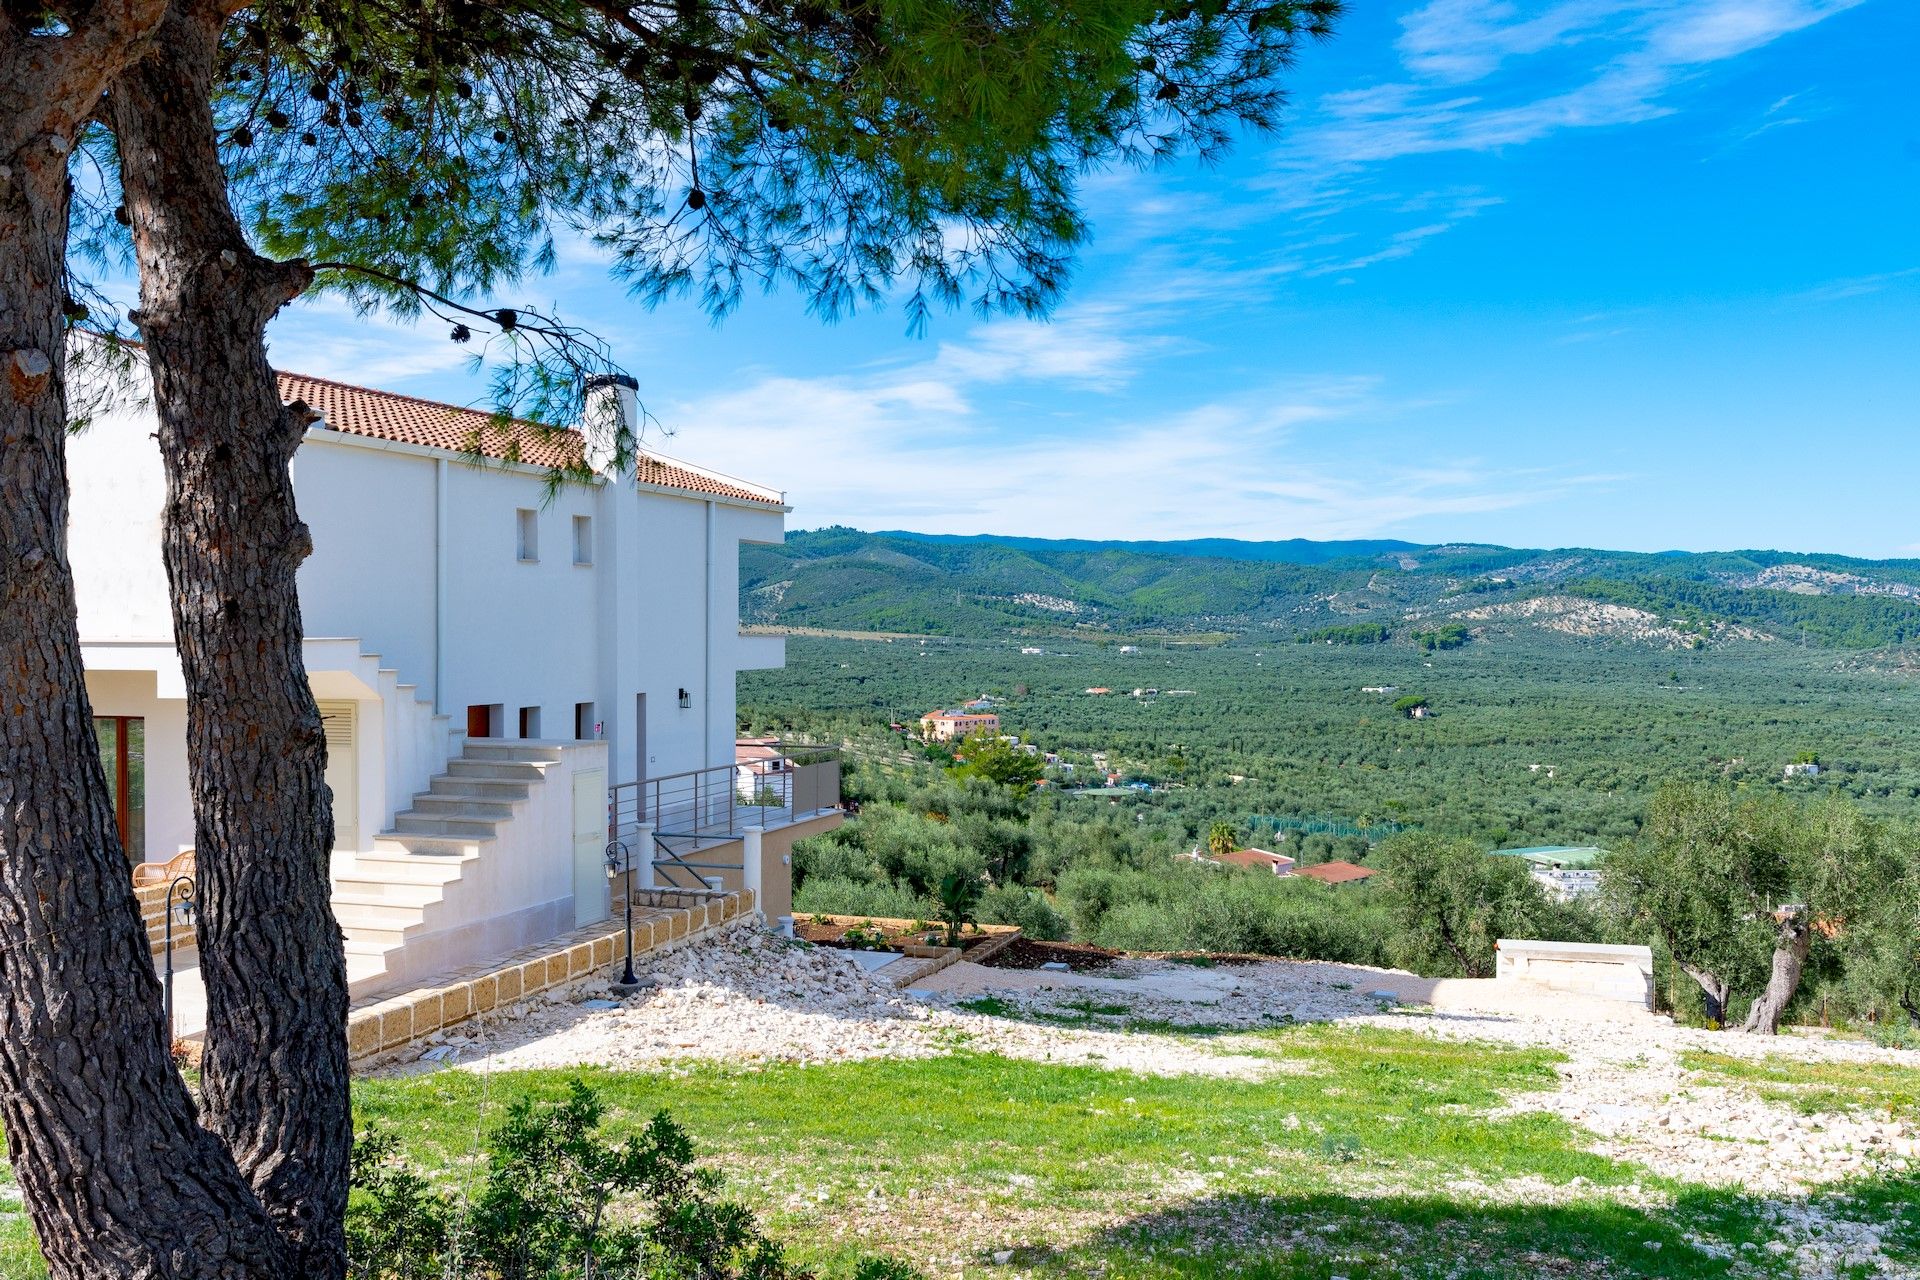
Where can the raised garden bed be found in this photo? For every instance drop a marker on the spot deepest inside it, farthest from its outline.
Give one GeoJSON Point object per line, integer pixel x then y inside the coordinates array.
{"type": "Point", "coordinates": [1028, 953]}
{"type": "Point", "coordinates": [914, 937]}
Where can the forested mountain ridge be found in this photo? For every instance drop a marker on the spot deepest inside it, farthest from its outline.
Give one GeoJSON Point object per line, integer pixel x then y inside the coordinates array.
{"type": "Point", "coordinates": [846, 579]}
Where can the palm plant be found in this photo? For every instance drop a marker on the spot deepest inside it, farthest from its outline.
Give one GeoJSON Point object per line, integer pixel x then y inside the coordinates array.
{"type": "Point", "coordinates": [959, 894]}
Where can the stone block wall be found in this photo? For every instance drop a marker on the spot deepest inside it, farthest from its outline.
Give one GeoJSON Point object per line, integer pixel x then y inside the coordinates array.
{"type": "Point", "coordinates": [663, 918]}
{"type": "Point", "coordinates": [1580, 968]}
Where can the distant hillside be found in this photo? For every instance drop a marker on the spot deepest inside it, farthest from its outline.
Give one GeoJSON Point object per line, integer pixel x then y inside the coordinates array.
{"type": "Point", "coordinates": [990, 586]}
{"type": "Point", "coordinates": [1289, 551]}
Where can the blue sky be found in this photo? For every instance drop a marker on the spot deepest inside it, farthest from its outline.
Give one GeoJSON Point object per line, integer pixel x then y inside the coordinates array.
{"type": "Point", "coordinates": [1627, 273]}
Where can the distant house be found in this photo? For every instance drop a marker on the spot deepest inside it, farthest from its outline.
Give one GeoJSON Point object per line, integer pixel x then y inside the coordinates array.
{"type": "Point", "coordinates": [1129, 648]}
{"type": "Point", "coordinates": [1252, 859]}
{"type": "Point", "coordinates": [756, 759]}
{"type": "Point", "coordinates": [1338, 873]}
{"type": "Point", "coordinates": [1099, 689]}
{"type": "Point", "coordinates": [981, 703]}
{"type": "Point", "coordinates": [946, 726]}
{"type": "Point", "coordinates": [1420, 712]}
{"type": "Point", "coordinates": [1379, 688]}
{"type": "Point", "coordinates": [1564, 871]}
{"type": "Point", "coordinates": [1031, 649]}
{"type": "Point", "coordinates": [1804, 769]}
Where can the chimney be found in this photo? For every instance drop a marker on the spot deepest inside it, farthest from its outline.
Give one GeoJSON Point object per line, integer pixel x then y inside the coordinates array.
{"type": "Point", "coordinates": [611, 422]}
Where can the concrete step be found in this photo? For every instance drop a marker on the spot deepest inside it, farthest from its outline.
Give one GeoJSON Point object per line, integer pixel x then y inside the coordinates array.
{"type": "Point", "coordinates": [496, 770]}
{"type": "Point", "coordinates": [494, 749]}
{"type": "Point", "coordinates": [418, 851]}
{"type": "Point", "coordinates": [363, 971]}
{"type": "Point", "coordinates": [447, 784]}
{"type": "Point", "coordinates": [429, 805]}
{"type": "Point", "coordinates": [399, 884]}
{"type": "Point", "coordinates": [366, 950]}
{"type": "Point", "coordinates": [413, 824]}
{"type": "Point", "coordinates": [377, 909]}
{"type": "Point", "coordinates": [372, 929]}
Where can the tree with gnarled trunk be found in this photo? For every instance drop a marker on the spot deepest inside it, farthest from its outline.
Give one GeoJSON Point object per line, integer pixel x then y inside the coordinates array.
{"type": "Point", "coordinates": [1740, 890]}
{"type": "Point", "coordinates": [417, 154]}
{"type": "Point", "coordinates": [1838, 862]}
{"type": "Point", "coordinates": [90, 1099]}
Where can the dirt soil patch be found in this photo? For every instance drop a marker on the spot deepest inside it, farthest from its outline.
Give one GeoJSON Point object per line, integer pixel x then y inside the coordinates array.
{"type": "Point", "coordinates": [864, 933]}
{"type": "Point", "coordinates": [1025, 953]}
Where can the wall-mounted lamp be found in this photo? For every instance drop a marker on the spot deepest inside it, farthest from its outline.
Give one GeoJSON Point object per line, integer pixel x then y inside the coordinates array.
{"type": "Point", "coordinates": [686, 700]}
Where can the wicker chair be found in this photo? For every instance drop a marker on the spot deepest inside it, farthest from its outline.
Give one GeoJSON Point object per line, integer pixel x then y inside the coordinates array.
{"type": "Point", "coordinates": [146, 873]}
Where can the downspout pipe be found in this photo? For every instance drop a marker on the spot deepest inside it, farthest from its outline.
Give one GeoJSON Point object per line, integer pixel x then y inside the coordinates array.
{"type": "Point", "coordinates": [440, 586]}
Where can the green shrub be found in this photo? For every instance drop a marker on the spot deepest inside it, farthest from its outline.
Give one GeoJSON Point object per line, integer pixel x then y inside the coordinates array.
{"type": "Point", "coordinates": [562, 1201]}
{"type": "Point", "coordinates": [1027, 908]}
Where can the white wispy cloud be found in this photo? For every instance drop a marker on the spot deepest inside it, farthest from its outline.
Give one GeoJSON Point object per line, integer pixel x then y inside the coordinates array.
{"type": "Point", "coordinates": [324, 337]}
{"type": "Point", "coordinates": [1860, 286]}
{"type": "Point", "coordinates": [1489, 75]}
{"type": "Point", "coordinates": [917, 446]}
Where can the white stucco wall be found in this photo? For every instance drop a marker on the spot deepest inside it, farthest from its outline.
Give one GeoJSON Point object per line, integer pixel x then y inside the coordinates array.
{"type": "Point", "coordinates": [371, 572]}
{"type": "Point", "coordinates": [416, 559]}
{"type": "Point", "coordinates": [113, 531]}
{"type": "Point", "coordinates": [169, 808]}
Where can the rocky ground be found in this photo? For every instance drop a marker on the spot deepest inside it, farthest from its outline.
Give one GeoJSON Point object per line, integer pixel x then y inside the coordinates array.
{"type": "Point", "coordinates": [747, 997]}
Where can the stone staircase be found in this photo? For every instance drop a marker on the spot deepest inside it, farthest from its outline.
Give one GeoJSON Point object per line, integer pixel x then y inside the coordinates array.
{"type": "Point", "coordinates": [407, 886]}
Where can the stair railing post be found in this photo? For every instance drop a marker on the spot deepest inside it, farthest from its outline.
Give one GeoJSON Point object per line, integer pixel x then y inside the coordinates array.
{"type": "Point", "coordinates": [643, 841]}
{"type": "Point", "coordinates": [752, 856]}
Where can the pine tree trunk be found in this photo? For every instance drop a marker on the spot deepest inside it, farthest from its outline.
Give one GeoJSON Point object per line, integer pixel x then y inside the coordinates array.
{"type": "Point", "coordinates": [275, 1078]}
{"type": "Point", "coordinates": [1790, 948]}
{"type": "Point", "coordinates": [119, 1179]}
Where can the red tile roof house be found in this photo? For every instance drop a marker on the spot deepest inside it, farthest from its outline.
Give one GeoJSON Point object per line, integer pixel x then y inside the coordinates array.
{"type": "Point", "coordinates": [1337, 872]}
{"type": "Point", "coordinates": [491, 661]}
{"type": "Point", "coordinates": [1278, 863]}
{"type": "Point", "coordinates": [947, 726]}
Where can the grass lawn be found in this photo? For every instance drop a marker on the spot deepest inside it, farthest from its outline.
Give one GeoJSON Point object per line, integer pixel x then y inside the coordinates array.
{"type": "Point", "coordinates": [1369, 1153]}
{"type": "Point", "coordinates": [1815, 1087]}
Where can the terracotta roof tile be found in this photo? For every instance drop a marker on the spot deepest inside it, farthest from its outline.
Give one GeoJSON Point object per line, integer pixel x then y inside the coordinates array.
{"type": "Point", "coordinates": [388, 415]}
{"type": "Point", "coordinates": [1336, 872]}
{"type": "Point", "coordinates": [1254, 858]}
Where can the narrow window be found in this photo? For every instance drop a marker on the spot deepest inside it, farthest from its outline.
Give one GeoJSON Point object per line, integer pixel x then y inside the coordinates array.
{"type": "Point", "coordinates": [585, 727]}
{"type": "Point", "coordinates": [123, 754]}
{"type": "Point", "coordinates": [529, 722]}
{"type": "Point", "coordinates": [583, 539]}
{"type": "Point", "coordinates": [529, 540]}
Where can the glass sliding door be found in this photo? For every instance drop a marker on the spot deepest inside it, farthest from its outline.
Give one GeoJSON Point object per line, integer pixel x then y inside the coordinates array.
{"type": "Point", "coordinates": [123, 755]}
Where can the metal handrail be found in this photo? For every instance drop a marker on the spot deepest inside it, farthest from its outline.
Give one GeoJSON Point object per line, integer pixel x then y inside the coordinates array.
{"type": "Point", "coordinates": [717, 802]}
{"type": "Point", "coordinates": [673, 859]}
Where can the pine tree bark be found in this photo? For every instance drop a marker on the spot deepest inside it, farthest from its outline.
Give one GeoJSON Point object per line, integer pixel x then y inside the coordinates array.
{"type": "Point", "coordinates": [117, 1176]}
{"type": "Point", "coordinates": [1793, 940]}
{"type": "Point", "coordinates": [274, 1076]}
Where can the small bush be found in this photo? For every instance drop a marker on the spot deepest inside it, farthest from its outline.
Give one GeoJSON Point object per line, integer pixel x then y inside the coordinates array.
{"type": "Point", "coordinates": [563, 1202]}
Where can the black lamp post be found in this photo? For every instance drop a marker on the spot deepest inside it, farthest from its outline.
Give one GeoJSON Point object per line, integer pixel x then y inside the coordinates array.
{"type": "Point", "coordinates": [619, 858]}
{"type": "Point", "coordinates": [179, 898]}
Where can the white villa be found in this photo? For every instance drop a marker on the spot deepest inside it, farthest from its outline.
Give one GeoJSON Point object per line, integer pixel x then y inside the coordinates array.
{"type": "Point", "coordinates": [507, 679]}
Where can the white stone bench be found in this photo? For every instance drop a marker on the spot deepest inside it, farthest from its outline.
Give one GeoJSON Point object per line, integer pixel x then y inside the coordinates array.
{"type": "Point", "coordinates": [1595, 969]}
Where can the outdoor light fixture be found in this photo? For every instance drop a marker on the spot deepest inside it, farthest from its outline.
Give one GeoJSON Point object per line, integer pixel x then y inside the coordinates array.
{"type": "Point", "coordinates": [686, 700]}
{"type": "Point", "coordinates": [179, 902]}
{"type": "Point", "coordinates": [620, 858]}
